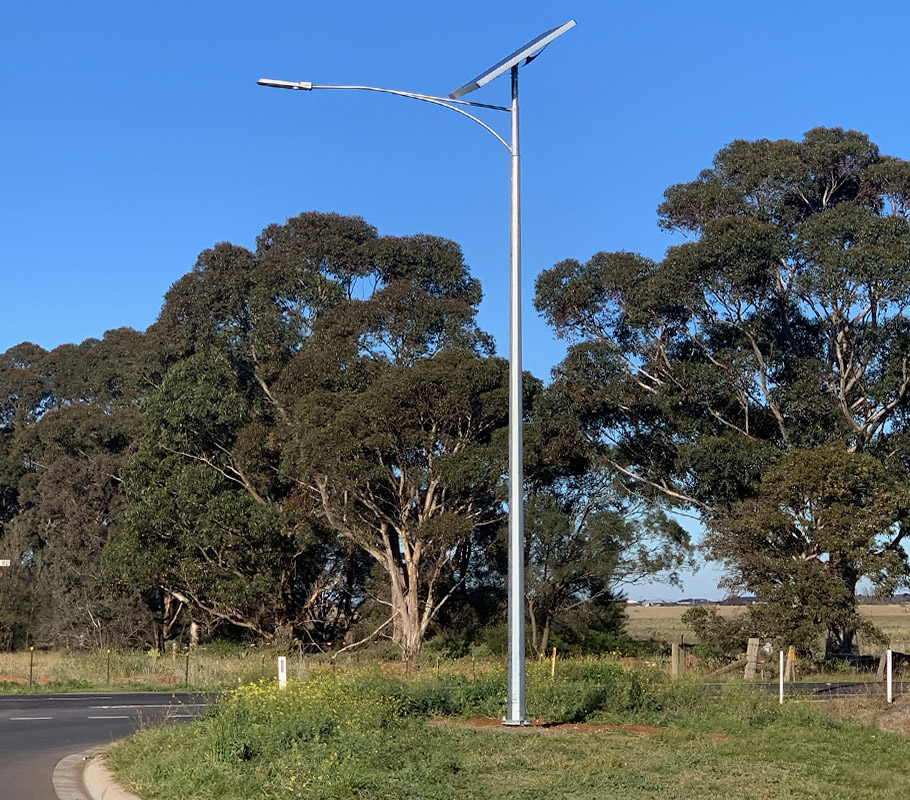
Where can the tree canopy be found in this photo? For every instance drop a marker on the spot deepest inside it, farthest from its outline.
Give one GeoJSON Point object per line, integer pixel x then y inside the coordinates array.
{"type": "Point", "coordinates": [741, 370]}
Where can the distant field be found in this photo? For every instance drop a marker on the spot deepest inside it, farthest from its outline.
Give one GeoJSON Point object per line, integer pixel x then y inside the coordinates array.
{"type": "Point", "coordinates": [663, 623]}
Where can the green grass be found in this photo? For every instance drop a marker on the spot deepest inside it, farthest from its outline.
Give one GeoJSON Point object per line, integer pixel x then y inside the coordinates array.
{"type": "Point", "coordinates": [373, 737]}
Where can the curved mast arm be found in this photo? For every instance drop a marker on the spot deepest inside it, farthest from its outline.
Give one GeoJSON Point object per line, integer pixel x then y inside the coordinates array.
{"type": "Point", "coordinates": [452, 105]}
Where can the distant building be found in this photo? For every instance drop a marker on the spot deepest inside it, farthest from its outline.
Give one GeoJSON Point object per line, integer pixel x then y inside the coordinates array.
{"type": "Point", "coordinates": [738, 600]}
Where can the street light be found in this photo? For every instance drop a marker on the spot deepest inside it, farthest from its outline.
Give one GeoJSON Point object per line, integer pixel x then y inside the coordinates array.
{"type": "Point", "coordinates": [515, 714]}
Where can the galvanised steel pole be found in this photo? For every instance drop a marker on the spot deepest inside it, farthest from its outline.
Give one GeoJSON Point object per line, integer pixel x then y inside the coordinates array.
{"type": "Point", "coordinates": [516, 700]}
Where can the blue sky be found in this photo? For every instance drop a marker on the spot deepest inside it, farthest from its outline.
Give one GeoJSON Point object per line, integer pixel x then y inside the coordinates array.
{"type": "Point", "coordinates": [133, 136]}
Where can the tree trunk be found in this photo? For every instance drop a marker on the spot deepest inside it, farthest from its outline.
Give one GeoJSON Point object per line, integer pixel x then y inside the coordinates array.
{"type": "Point", "coordinates": [410, 620]}
{"type": "Point", "coordinates": [407, 632]}
{"type": "Point", "coordinates": [545, 638]}
{"type": "Point", "coordinates": [532, 618]}
{"type": "Point", "coordinates": [840, 640]}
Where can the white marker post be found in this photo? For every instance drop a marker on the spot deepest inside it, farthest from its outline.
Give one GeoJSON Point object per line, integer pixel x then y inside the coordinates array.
{"type": "Point", "coordinates": [889, 674]}
{"type": "Point", "coordinates": [781, 677]}
{"type": "Point", "coordinates": [282, 672]}
{"type": "Point", "coordinates": [5, 562]}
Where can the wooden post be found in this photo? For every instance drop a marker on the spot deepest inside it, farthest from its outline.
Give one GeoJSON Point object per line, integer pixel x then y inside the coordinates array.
{"type": "Point", "coordinates": [186, 671]}
{"type": "Point", "coordinates": [437, 667]}
{"type": "Point", "coordinates": [790, 668]}
{"type": "Point", "coordinates": [473, 669]}
{"type": "Point", "coordinates": [108, 667]}
{"type": "Point", "coordinates": [553, 666]}
{"type": "Point", "coordinates": [675, 658]}
{"type": "Point", "coordinates": [31, 666]}
{"type": "Point", "coordinates": [751, 659]}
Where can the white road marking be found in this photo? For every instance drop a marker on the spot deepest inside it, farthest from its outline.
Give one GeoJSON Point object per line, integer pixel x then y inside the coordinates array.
{"type": "Point", "coordinates": [149, 705]}
{"type": "Point", "coordinates": [111, 717]}
{"type": "Point", "coordinates": [73, 698]}
{"type": "Point", "coordinates": [23, 719]}
{"type": "Point", "coordinates": [53, 698]}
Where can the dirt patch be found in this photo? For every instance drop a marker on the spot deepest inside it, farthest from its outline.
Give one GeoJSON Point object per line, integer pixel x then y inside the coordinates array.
{"type": "Point", "coordinates": [608, 728]}
{"type": "Point", "coordinates": [894, 718]}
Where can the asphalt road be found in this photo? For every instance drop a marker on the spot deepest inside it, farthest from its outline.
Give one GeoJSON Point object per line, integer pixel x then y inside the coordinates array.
{"type": "Point", "coordinates": [36, 731]}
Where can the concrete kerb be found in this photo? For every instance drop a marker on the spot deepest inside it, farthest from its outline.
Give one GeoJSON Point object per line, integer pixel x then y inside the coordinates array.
{"type": "Point", "coordinates": [84, 776]}
{"type": "Point", "coordinates": [68, 777]}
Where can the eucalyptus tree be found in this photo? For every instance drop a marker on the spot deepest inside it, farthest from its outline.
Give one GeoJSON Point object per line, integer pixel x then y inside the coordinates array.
{"type": "Point", "coordinates": [776, 332]}
{"type": "Point", "coordinates": [406, 462]}
{"type": "Point", "coordinates": [304, 382]}
{"type": "Point", "coordinates": [73, 414]}
{"type": "Point", "coordinates": [213, 526]}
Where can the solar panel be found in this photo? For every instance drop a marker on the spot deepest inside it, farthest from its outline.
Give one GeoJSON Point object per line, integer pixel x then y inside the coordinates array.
{"type": "Point", "coordinates": [526, 51]}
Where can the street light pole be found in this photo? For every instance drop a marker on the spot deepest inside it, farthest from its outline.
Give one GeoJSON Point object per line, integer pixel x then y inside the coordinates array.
{"type": "Point", "coordinates": [515, 714]}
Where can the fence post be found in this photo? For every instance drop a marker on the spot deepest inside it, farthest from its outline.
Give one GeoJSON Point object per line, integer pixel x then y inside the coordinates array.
{"type": "Point", "coordinates": [781, 677]}
{"type": "Point", "coordinates": [674, 660]}
{"type": "Point", "coordinates": [751, 659]}
{"type": "Point", "coordinates": [889, 670]}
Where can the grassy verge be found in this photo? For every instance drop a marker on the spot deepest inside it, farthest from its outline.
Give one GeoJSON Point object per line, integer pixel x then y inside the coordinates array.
{"type": "Point", "coordinates": [369, 736]}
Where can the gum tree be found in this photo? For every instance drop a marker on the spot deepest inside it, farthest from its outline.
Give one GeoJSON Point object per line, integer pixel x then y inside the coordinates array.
{"type": "Point", "coordinates": [332, 379]}
{"type": "Point", "coordinates": [775, 336]}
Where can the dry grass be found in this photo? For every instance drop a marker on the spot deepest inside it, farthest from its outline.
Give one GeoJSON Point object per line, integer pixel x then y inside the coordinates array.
{"type": "Point", "coordinates": [220, 667]}
{"type": "Point", "coordinates": [664, 623]}
{"type": "Point", "coordinates": [894, 620]}
{"type": "Point", "coordinates": [137, 669]}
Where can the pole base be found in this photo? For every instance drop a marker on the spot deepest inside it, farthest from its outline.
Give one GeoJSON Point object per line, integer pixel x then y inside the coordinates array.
{"type": "Point", "coordinates": [511, 723]}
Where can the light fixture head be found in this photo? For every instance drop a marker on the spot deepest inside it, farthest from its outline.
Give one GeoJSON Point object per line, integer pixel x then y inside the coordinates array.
{"type": "Point", "coordinates": [305, 85]}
